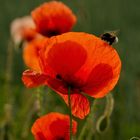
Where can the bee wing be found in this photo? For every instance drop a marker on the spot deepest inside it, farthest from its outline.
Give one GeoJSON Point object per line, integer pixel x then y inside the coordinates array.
{"type": "Point", "coordinates": [114, 32]}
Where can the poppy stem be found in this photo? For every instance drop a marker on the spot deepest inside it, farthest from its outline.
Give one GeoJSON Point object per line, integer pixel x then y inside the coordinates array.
{"type": "Point", "coordinates": [39, 101]}
{"type": "Point", "coordinates": [109, 105]}
{"type": "Point", "coordinates": [9, 71]}
{"type": "Point", "coordinates": [8, 90]}
{"type": "Point", "coordinates": [89, 122]}
{"type": "Point", "coordinates": [70, 114]}
{"type": "Point", "coordinates": [105, 118]}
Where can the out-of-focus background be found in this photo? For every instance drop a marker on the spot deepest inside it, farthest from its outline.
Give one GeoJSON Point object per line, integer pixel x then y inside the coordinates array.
{"type": "Point", "coordinates": [18, 105]}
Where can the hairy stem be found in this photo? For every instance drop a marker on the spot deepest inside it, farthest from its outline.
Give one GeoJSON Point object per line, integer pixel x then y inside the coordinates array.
{"type": "Point", "coordinates": [109, 105]}
{"type": "Point", "coordinates": [89, 122]}
{"type": "Point", "coordinates": [38, 101]}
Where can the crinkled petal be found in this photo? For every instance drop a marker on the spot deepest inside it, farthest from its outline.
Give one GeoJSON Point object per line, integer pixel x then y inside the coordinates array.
{"type": "Point", "coordinates": [79, 104]}
{"type": "Point", "coordinates": [95, 58]}
{"type": "Point", "coordinates": [96, 61]}
{"type": "Point", "coordinates": [33, 79]}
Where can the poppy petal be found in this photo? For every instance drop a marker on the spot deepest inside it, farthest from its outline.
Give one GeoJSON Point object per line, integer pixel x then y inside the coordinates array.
{"type": "Point", "coordinates": [95, 58]}
{"type": "Point", "coordinates": [22, 29]}
{"type": "Point", "coordinates": [33, 79]}
{"type": "Point", "coordinates": [48, 127]}
{"type": "Point", "coordinates": [64, 129]}
{"type": "Point", "coordinates": [66, 58]}
{"type": "Point", "coordinates": [31, 53]}
{"type": "Point", "coordinates": [53, 18]}
{"type": "Point", "coordinates": [29, 34]}
{"type": "Point", "coordinates": [98, 80]}
{"type": "Point", "coordinates": [80, 105]}
{"type": "Point", "coordinates": [39, 136]}
{"type": "Point", "coordinates": [93, 51]}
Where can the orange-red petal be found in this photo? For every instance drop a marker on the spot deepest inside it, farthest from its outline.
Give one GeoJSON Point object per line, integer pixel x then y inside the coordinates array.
{"type": "Point", "coordinates": [53, 126]}
{"type": "Point", "coordinates": [97, 52]}
{"type": "Point", "coordinates": [63, 58]}
{"type": "Point", "coordinates": [33, 79]}
{"type": "Point", "coordinates": [29, 34]}
{"type": "Point", "coordinates": [53, 18]}
{"type": "Point", "coordinates": [80, 105]}
{"type": "Point", "coordinates": [31, 53]}
{"type": "Point", "coordinates": [83, 62]}
{"type": "Point", "coordinates": [99, 81]}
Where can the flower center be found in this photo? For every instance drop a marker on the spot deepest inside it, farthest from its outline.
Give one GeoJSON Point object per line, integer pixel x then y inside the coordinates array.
{"type": "Point", "coordinates": [74, 83]}
{"type": "Point", "coordinates": [60, 138]}
{"type": "Point", "coordinates": [51, 33]}
{"type": "Point", "coordinates": [58, 76]}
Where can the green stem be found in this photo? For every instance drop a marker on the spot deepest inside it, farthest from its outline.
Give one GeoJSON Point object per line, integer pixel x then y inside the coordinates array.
{"type": "Point", "coordinates": [70, 114]}
{"type": "Point", "coordinates": [8, 91]}
{"type": "Point", "coordinates": [104, 120]}
{"type": "Point", "coordinates": [109, 105]}
{"type": "Point", "coordinates": [39, 101]}
{"type": "Point", "coordinates": [9, 72]}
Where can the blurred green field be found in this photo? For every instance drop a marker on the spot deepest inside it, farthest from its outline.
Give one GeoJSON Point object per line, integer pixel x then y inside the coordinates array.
{"type": "Point", "coordinates": [18, 107]}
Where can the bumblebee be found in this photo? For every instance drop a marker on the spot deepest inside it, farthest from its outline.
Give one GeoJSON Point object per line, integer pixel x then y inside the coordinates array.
{"type": "Point", "coordinates": [110, 37]}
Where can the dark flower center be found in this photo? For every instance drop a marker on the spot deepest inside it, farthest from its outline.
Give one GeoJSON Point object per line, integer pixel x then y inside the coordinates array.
{"type": "Point", "coordinates": [73, 83]}
{"type": "Point", "coordinates": [58, 76]}
{"type": "Point", "coordinates": [60, 138]}
{"type": "Point", "coordinates": [51, 33]}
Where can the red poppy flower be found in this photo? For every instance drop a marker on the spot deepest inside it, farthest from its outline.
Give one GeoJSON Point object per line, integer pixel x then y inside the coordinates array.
{"type": "Point", "coordinates": [53, 126]}
{"type": "Point", "coordinates": [53, 18]}
{"type": "Point", "coordinates": [81, 61]}
{"type": "Point", "coordinates": [29, 34]}
{"type": "Point", "coordinates": [23, 29]}
{"type": "Point", "coordinates": [31, 53]}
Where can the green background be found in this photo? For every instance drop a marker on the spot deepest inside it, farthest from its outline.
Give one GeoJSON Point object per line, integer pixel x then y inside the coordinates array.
{"type": "Point", "coordinates": [94, 16]}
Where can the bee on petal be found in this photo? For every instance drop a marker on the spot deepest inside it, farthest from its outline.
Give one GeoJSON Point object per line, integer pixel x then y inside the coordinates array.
{"type": "Point", "coordinates": [110, 37]}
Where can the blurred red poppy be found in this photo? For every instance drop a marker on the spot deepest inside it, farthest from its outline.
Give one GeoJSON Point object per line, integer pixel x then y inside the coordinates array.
{"type": "Point", "coordinates": [53, 126]}
{"type": "Point", "coordinates": [53, 18]}
{"type": "Point", "coordinates": [23, 29]}
{"type": "Point", "coordinates": [29, 34]}
{"type": "Point", "coordinates": [83, 62]}
{"type": "Point", "coordinates": [31, 52]}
